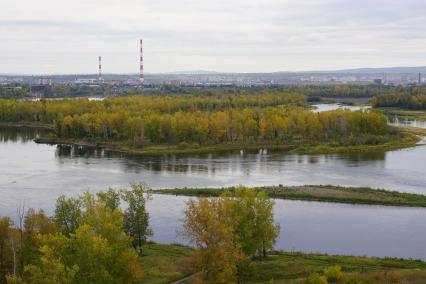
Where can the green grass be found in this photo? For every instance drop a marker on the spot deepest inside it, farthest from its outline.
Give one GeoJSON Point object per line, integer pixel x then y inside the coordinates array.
{"type": "Point", "coordinates": [296, 267]}
{"type": "Point", "coordinates": [167, 263]}
{"type": "Point", "coordinates": [324, 193]}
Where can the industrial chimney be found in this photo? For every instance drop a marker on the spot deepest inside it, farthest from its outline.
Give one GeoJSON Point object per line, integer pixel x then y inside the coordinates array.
{"type": "Point", "coordinates": [141, 76]}
{"type": "Point", "coordinates": [100, 69]}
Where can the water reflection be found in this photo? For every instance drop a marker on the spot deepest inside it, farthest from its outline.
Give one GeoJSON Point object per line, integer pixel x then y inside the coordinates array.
{"type": "Point", "coordinates": [19, 135]}
{"type": "Point", "coordinates": [328, 107]}
{"type": "Point", "coordinates": [406, 121]}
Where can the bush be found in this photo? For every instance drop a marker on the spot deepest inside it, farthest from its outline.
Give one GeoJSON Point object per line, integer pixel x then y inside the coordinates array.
{"type": "Point", "coordinates": [333, 273]}
{"type": "Point", "coordinates": [316, 278]}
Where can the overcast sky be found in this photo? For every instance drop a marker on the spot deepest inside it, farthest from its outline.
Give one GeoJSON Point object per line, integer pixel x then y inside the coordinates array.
{"type": "Point", "coordinates": [58, 36]}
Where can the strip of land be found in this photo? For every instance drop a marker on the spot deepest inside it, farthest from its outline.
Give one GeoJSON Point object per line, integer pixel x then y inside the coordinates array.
{"type": "Point", "coordinates": [407, 113]}
{"type": "Point", "coordinates": [408, 138]}
{"type": "Point", "coordinates": [322, 193]}
{"type": "Point", "coordinates": [169, 263]}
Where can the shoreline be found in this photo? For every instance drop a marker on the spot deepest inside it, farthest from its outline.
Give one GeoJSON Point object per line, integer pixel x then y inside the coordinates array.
{"type": "Point", "coordinates": [29, 125]}
{"type": "Point", "coordinates": [409, 138]}
{"type": "Point", "coordinates": [318, 193]}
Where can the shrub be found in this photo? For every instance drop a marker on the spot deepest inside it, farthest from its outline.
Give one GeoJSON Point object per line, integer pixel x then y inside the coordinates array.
{"type": "Point", "coordinates": [333, 273]}
{"type": "Point", "coordinates": [316, 278]}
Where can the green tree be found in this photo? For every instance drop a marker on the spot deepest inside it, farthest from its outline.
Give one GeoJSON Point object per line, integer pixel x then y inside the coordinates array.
{"type": "Point", "coordinates": [254, 220]}
{"type": "Point", "coordinates": [97, 251]}
{"type": "Point", "coordinates": [68, 215]}
{"type": "Point", "coordinates": [111, 198]}
{"type": "Point", "coordinates": [136, 218]}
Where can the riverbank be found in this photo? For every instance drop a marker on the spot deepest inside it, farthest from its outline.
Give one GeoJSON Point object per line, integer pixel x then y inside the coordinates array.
{"type": "Point", "coordinates": [405, 113]}
{"type": "Point", "coordinates": [322, 193]}
{"type": "Point", "coordinates": [30, 125]}
{"type": "Point", "coordinates": [168, 263]}
{"type": "Point", "coordinates": [405, 138]}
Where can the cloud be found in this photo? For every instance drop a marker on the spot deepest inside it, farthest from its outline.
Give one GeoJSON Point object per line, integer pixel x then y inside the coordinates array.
{"type": "Point", "coordinates": [233, 35]}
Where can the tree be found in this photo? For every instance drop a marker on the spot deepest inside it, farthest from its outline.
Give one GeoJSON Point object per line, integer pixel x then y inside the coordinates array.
{"type": "Point", "coordinates": [209, 225]}
{"type": "Point", "coordinates": [36, 224]}
{"type": "Point", "coordinates": [97, 251]}
{"type": "Point", "coordinates": [51, 269]}
{"type": "Point", "coordinates": [68, 215]}
{"type": "Point", "coordinates": [111, 198]}
{"type": "Point", "coordinates": [136, 218]}
{"type": "Point", "coordinates": [254, 220]}
{"type": "Point", "coordinates": [6, 254]}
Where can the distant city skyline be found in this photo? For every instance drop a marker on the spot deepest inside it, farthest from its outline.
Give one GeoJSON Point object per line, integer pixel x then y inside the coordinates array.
{"type": "Point", "coordinates": [66, 37]}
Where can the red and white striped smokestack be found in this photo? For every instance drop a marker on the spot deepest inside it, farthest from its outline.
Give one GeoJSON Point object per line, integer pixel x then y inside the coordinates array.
{"type": "Point", "coordinates": [141, 76]}
{"type": "Point", "coordinates": [100, 68]}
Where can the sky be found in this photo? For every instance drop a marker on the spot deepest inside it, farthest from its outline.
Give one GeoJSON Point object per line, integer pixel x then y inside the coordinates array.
{"type": "Point", "coordinates": [66, 37]}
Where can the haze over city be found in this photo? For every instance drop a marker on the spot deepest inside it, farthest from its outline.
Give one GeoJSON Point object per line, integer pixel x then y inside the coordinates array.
{"type": "Point", "coordinates": [64, 37]}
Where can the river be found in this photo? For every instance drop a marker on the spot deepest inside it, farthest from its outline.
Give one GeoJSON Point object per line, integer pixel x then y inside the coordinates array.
{"type": "Point", "coordinates": [37, 174]}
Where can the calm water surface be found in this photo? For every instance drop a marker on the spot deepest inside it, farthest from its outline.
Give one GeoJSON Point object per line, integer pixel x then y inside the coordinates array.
{"type": "Point", "coordinates": [321, 227]}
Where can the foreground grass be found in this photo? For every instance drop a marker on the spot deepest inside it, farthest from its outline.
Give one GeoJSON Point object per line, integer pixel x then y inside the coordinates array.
{"type": "Point", "coordinates": [325, 193]}
{"type": "Point", "coordinates": [296, 267]}
{"type": "Point", "coordinates": [165, 263]}
{"type": "Point", "coordinates": [168, 263]}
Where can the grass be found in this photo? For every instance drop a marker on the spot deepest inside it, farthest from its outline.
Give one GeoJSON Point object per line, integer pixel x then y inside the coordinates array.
{"type": "Point", "coordinates": [324, 193]}
{"type": "Point", "coordinates": [167, 263]}
{"type": "Point", "coordinates": [286, 267]}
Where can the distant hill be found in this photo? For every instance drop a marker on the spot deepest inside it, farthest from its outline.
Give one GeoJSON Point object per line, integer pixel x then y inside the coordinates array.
{"type": "Point", "coordinates": [193, 72]}
{"type": "Point", "coordinates": [389, 70]}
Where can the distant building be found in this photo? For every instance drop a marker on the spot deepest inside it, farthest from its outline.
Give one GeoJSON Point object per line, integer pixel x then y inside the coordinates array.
{"type": "Point", "coordinates": [86, 81]}
{"type": "Point", "coordinates": [378, 81]}
{"type": "Point", "coordinates": [43, 82]}
{"type": "Point", "coordinates": [176, 83]}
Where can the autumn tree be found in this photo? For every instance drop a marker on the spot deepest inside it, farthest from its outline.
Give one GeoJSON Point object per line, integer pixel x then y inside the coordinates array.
{"type": "Point", "coordinates": [6, 250]}
{"type": "Point", "coordinates": [97, 251]}
{"type": "Point", "coordinates": [209, 225]}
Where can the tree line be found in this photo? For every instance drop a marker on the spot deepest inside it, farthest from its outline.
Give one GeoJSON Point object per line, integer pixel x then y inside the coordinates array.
{"type": "Point", "coordinates": [152, 120]}
{"type": "Point", "coordinates": [403, 100]}
{"type": "Point", "coordinates": [47, 111]}
{"type": "Point", "coordinates": [13, 92]}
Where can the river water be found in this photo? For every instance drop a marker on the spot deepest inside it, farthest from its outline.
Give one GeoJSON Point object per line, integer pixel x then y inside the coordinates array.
{"type": "Point", "coordinates": [37, 174]}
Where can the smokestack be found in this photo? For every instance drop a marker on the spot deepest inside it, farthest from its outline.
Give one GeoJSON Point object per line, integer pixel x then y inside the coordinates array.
{"type": "Point", "coordinates": [100, 69]}
{"type": "Point", "coordinates": [420, 78]}
{"type": "Point", "coordinates": [141, 76]}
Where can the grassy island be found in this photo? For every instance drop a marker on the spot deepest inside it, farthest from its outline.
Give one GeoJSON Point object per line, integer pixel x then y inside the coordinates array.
{"type": "Point", "coordinates": [323, 193]}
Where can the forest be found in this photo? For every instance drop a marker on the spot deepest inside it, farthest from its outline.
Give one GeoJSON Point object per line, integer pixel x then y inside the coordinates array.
{"type": "Point", "coordinates": [311, 91]}
{"type": "Point", "coordinates": [415, 101]}
{"type": "Point", "coordinates": [273, 118]}
{"type": "Point", "coordinates": [13, 92]}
